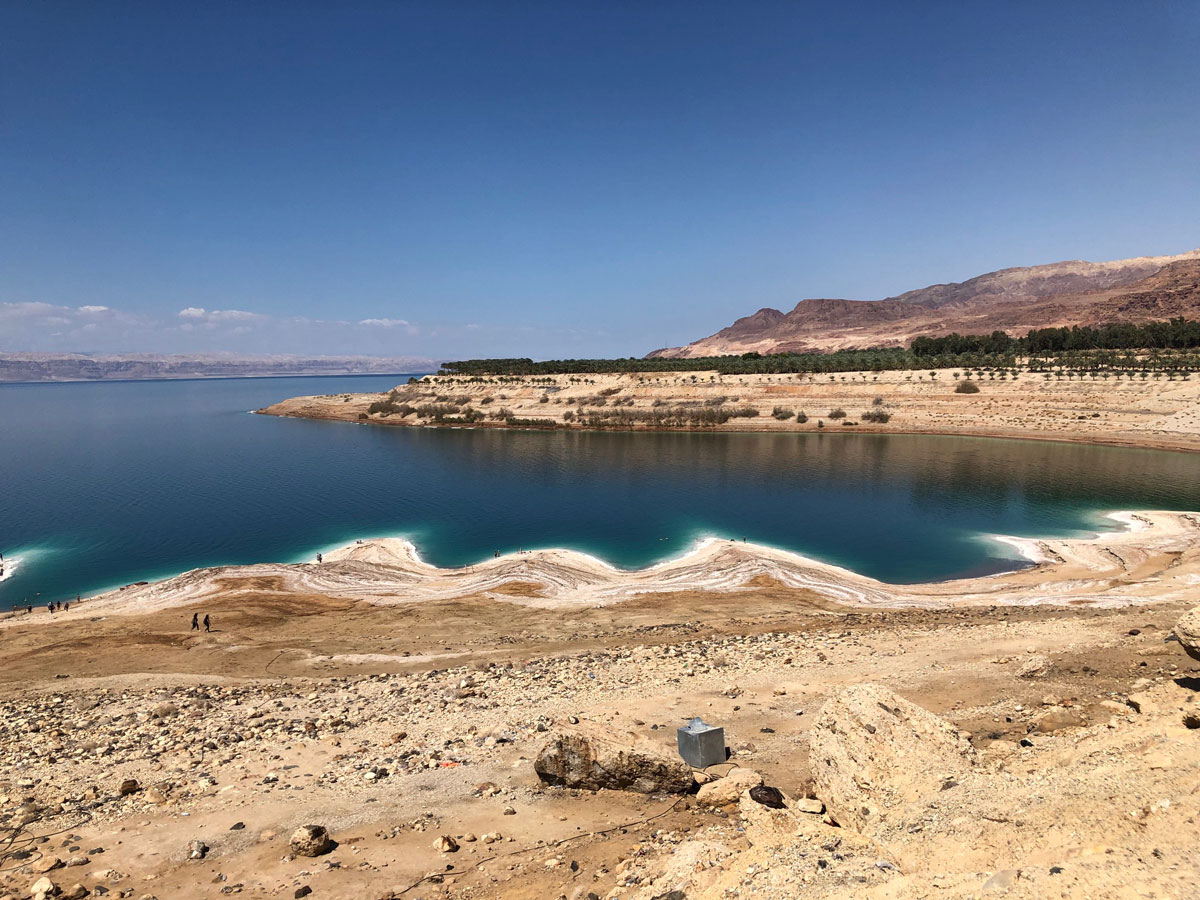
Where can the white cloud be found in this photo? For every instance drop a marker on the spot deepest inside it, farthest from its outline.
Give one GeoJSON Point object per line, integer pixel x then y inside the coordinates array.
{"type": "Point", "coordinates": [28, 311]}
{"type": "Point", "coordinates": [214, 317]}
{"type": "Point", "coordinates": [93, 327]}
{"type": "Point", "coordinates": [32, 325]}
{"type": "Point", "coordinates": [234, 315]}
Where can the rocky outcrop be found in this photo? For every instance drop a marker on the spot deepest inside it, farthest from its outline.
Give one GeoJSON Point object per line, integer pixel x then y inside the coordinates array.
{"type": "Point", "coordinates": [1187, 630]}
{"type": "Point", "coordinates": [592, 758]}
{"type": "Point", "coordinates": [875, 755]}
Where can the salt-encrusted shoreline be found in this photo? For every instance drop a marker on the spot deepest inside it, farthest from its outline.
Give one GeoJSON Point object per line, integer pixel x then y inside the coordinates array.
{"type": "Point", "coordinates": [1154, 557]}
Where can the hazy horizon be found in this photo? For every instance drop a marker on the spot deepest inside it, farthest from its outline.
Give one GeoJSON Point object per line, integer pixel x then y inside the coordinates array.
{"type": "Point", "coordinates": [462, 180]}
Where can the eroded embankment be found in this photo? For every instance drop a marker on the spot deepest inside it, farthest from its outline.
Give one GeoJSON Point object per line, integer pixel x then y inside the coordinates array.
{"type": "Point", "coordinates": [1159, 413]}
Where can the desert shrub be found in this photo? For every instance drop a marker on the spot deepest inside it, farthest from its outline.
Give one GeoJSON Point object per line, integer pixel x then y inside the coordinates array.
{"type": "Point", "coordinates": [838, 413]}
{"type": "Point", "coordinates": [876, 415]}
{"type": "Point", "coordinates": [389, 405]}
{"type": "Point", "coordinates": [802, 417]}
{"type": "Point", "coordinates": [569, 415]}
{"type": "Point", "coordinates": [878, 401]}
{"type": "Point", "coordinates": [608, 392]}
{"type": "Point", "coordinates": [782, 414]}
{"type": "Point", "coordinates": [438, 411]}
{"type": "Point", "coordinates": [966, 387]}
{"type": "Point", "coordinates": [543, 399]}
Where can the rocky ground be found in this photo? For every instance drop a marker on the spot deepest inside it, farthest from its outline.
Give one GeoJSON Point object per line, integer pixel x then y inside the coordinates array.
{"type": "Point", "coordinates": [140, 759]}
{"type": "Point", "coordinates": [1155, 412]}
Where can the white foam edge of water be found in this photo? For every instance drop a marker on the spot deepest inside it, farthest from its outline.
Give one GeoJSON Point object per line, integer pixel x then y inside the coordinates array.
{"type": "Point", "coordinates": [18, 557]}
{"type": "Point", "coordinates": [1030, 548]}
{"type": "Point", "coordinates": [11, 564]}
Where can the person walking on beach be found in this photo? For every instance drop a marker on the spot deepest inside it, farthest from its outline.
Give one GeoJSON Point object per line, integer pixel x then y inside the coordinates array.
{"type": "Point", "coordinates": [319, 558]}
{"type": "Point", "coordinates": [195, 621]}
{"type": "Point", "coordinates": [207, 623]}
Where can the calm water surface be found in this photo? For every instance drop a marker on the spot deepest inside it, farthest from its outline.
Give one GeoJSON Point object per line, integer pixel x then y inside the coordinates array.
{"type": "Point", "coordinates": [104, 484]}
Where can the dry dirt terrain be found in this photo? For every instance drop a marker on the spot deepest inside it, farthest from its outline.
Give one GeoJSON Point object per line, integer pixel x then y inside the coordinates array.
{"type": "Point", "coordinates": [1155, 412]}
{"type": "Point", "coordinates": [1051, 749]}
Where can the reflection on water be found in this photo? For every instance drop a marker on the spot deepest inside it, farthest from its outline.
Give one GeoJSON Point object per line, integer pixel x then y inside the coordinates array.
{"type": "Point", "coordinates": [127, 481]}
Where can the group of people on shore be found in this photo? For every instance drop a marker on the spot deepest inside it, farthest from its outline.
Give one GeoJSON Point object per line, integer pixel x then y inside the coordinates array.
{"type": "Point", "coordinates": [196, 622]}
{"type": "Point", "coordinates": [52, 606]}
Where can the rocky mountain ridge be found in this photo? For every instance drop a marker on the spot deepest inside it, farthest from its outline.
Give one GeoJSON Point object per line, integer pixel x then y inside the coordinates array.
{"type": "Point", "coordinates": [1016, 300]}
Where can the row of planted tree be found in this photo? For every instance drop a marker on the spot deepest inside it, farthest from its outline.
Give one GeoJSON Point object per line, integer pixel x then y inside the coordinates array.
{"type": "Point", "coordinates": [841, 361]}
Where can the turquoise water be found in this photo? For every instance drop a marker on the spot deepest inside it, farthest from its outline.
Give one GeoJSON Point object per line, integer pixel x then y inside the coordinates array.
{"type": "Point", "coordinates": [105, 484]}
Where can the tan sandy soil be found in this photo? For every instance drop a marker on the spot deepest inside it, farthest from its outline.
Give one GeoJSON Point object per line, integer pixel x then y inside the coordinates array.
{"type": "Point", "coordinates": [328, 694]}
{"type": "Point", "coordinates": [237, 726]}
{"type": "Point", "coordinates": [1152, 413]}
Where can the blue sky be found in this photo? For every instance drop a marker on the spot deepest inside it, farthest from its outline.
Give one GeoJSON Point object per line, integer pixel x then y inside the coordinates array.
{"type": "Point", "coordinates": [563, 179]}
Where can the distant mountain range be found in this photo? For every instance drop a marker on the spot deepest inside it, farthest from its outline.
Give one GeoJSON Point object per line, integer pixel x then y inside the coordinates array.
{"type": "Point", "coordinates": [26, 367]}
{"type": "Point", "coordinates": [1139, 290]}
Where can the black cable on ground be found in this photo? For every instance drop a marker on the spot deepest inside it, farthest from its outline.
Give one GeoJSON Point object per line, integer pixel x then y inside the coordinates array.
{"type": "Point", "coordinates": [550, 846]}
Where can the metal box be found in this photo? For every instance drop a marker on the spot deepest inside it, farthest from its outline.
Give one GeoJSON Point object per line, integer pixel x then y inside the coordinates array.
{"type": "Point", "coordinates": [701, 745]}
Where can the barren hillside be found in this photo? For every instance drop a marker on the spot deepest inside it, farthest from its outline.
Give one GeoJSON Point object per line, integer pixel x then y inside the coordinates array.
{"type": "Point", "coordinates": [1015, 300]}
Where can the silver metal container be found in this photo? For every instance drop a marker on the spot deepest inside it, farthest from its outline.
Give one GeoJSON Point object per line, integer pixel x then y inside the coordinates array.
{"type": "Point", "coordinates": [701, 745]}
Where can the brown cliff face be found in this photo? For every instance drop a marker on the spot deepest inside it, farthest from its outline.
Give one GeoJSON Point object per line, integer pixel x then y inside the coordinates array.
{"type": "Point", "coordinates": [1016, 300]}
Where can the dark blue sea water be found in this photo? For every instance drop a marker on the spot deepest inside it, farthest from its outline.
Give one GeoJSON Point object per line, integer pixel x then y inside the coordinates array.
{"type": "Point", "coordinates": [105, 484]}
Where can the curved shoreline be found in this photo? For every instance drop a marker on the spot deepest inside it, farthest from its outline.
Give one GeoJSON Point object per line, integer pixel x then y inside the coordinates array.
{"type": "Point", "coordinates": [1156, 415]}
{"type": "Point", "coordinates": [1156, 556]}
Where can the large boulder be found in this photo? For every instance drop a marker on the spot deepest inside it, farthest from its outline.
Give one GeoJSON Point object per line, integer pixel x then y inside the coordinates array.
{"type": "Point", "coordinates": [592, 758]}
{"type": "Point", "coordinates": [311, 840]}
{"type": "Point", "coordinates": [1187, 630]}
{"type": "Point", "coordinates": [876, 757]}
